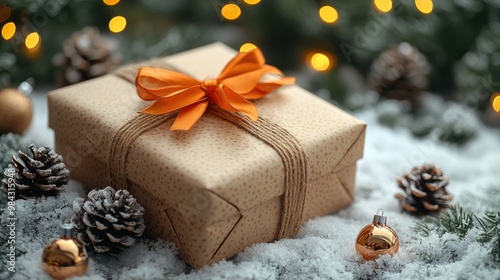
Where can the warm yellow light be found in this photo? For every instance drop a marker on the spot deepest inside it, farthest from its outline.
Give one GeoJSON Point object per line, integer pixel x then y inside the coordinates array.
{"type": "Point", "coordinates": [328, 14]}
{"type": "Point", "coordinates": [424, 6]}
{"type": "Point", "coordinates": [252, 2]}
{"type": "Point", "coordinates": [117, 24]}
{"type": "Point", "coordinates": [8, 30]}
{"type": "Point", "coordinates": [247, 47]}
{"type": "Point", "coordinates": [32, 40]}
{"type": "Point", "coordinates": [111, 2]}
{"type": "Point", "coordinates": [495, 102]}
{"type": "Point", "coordinates": [320, 61]}
{"type": "Point", "coordinates": [382, 6]}
{"type": "Point", "coordinates": [231, 11]}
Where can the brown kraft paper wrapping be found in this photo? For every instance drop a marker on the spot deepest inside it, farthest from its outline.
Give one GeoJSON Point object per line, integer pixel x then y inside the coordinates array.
{"type": "Point", "coordinates": [215, 189]}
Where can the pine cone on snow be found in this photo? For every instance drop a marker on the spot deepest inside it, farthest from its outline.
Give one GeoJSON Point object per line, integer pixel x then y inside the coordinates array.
{"type": "Point", "coordinates": [41, 173]}
{"type": "Point", "coordinates": [424, 190]}
{"type": "Point", "coordinates": [108, 221]}
{"type": "Point", "coordinates": [400, 72]}
{"type": "Point", "coordinates": [86, 55]}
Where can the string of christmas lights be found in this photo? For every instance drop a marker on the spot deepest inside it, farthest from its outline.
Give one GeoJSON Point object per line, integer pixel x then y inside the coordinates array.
{"type": "Point", "coordinates": [319, 61]}
{"type": "Point", "coordinates": [323, 59]}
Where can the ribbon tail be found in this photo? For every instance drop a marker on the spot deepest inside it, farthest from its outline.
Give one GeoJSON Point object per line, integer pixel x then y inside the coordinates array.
{"type": "Point", "coordinates": [189, 115]}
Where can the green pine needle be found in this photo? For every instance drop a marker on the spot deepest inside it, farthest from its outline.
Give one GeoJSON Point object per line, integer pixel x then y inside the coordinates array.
{"type": "Point", "coordinates": [490, 227]}
{"type": "Point", "coordinates": [455, 220]}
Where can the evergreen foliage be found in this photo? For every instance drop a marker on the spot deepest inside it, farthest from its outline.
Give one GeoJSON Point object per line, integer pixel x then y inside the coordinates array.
{"type": "Point", "coordinates": [458, 221]}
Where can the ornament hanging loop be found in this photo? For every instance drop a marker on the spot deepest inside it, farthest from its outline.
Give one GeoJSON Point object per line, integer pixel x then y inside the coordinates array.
{"type": "Point", "coordinates": [26, 87]}
{"type": "Point", "coordinates": [379, 220]}
{"type": "Point", "coordinates": [66, 230]}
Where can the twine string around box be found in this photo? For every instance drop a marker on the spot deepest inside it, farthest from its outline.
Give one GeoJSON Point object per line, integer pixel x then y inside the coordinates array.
{"type": "Point", "coordinates": [283, 142]}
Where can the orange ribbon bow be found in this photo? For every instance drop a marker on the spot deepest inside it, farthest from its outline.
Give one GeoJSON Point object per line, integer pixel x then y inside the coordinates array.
{"type": "Point", "coordinates": [239, 82]}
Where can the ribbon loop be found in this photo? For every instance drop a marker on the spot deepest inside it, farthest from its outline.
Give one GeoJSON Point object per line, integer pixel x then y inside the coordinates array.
{"type": "Point", "coordinates": [239, 82]}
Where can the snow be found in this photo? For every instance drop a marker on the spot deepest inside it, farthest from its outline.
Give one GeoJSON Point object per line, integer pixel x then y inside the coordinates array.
{"type": "Point", "coordinates": [324, 247]}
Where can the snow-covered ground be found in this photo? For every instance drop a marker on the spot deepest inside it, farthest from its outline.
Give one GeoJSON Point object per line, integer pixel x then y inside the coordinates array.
{"type": "Point", "coordinates": [324, 247]}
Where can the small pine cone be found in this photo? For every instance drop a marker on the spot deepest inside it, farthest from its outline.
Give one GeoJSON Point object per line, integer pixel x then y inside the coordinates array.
{"type": "Point", "coordinates": [41, 174]}
{"type": "Point", "coordinates": [424, 190]}
{"type": "Point", "coordinates": [400, 72]}
{"type": "Point", "coordinates": [86, 55]}
{"type": "Point", "coordinates": [108, 221]}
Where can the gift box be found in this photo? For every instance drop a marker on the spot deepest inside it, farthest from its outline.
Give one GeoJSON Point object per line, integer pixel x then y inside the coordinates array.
{"type": "Point", "coordinates": [228, 182]}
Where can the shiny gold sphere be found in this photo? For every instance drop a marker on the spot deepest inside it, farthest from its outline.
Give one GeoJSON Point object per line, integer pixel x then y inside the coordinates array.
{"type": "Point", "coordinates": [65, 257]}
{"type": "Point", "coordinates": [16, 111]}
{"type": "Point", "coordinates": [375, 240]}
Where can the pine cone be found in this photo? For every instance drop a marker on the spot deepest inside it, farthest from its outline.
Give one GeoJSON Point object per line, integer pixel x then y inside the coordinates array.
{"type": "Point", "coordinates": [425, 190]}
{"type": "Point", "coordinates": [108, 221]}
{"type": "Point", "coordinates": [42, 173]}
{"type": "Point", "coordinates": [86, 55]}
{"type": "Point", "coordinates": [400, 72]}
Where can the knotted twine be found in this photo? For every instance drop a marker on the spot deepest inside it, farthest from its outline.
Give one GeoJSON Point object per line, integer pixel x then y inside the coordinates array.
{"type": "Point", "coordinates": [283, 142]}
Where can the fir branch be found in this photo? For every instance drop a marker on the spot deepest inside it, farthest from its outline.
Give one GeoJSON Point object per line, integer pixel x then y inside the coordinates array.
{"type": "Point", "coordinates": [455, 220]}
{"type": "Point", "coordinates": [490, 227]}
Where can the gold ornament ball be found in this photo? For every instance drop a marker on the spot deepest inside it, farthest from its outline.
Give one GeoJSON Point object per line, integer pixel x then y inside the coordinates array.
{"type": "Point", "coordinates": [65, 257]}
{"type": "Point", "coordinates": [16, 111]}
{"type": "Point", "coordinates": [377, 239]}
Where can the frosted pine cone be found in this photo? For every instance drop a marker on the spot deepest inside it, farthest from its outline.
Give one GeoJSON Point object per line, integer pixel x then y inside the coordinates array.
{"type": "Point", "coordinates": [42, 173]}
{"type": "Point", "coordinates": [424, 190]}
{"type": "Point", "coordinates": [108, 221]}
